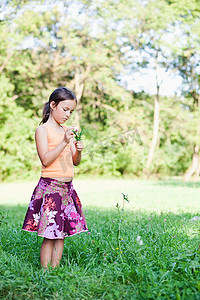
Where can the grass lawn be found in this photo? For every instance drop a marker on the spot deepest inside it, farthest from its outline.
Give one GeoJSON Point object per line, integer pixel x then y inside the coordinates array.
{"type": "Point", "coordinates": [149, 250]}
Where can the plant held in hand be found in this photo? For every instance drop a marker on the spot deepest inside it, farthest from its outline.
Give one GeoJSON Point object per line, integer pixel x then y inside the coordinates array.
{"type": "Point", "coordinates": [77, 135]}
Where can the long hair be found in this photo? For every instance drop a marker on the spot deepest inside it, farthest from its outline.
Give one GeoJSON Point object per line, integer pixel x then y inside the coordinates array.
{"type": "Point", "coordinates": [60, 94]}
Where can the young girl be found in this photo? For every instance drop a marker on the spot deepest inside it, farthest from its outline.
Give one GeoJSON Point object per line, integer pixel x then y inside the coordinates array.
{"type": "Point", "coordinates": [55, 210]}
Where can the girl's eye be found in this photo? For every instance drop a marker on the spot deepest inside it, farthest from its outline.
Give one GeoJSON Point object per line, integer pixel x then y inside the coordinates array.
{"type": "Point", "coordinates": [67, 109]}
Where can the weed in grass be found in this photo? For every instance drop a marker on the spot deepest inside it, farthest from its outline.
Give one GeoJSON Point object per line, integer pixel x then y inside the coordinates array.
{"type": "Point", "coordinates": [120, 219]}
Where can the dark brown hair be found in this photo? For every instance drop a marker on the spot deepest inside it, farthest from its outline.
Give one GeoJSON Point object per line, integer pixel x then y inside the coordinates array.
{"type": "Point", "coordinates": [60, 94]}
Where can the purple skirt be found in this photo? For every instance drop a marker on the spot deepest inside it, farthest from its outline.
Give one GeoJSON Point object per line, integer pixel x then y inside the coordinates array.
{"type": "Point", "coordinates": [55, 210]}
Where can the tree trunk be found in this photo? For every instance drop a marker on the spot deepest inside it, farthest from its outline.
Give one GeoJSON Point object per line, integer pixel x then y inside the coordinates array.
{"type": "Point", "coordinates": [198, 169]}
{"type": "Point", "coordinates": [195, 164]}
{"type": "Point", "coordinates": [155, 129]}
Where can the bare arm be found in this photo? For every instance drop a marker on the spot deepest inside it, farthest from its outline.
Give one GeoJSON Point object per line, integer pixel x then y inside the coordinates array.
{"type": "Point", "coordinates": [46, 156]}
{"type": "Point", "coordinates": [76, 148]}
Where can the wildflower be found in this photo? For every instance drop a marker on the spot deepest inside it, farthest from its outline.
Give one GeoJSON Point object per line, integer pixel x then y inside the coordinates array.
{"type": "Point", "coordinates": [122, 239]}
{"type": "Point", "coordinates": [165, 220]}
{"type": "Point", "coordinates": [120, 251]}
{"type": "Point", "coordinates": [89, 232]}
{"type": "Point", "coordinates": [114, 262]}
{"type": "Point", "coordinates": [93, 242]}
{"type": "Point", "coordinates": [149, 218]}
{"type": "Point", "coordinates": [77, 135]}
{"type": "Point", "coordinates": [117, 248]}
{"type": "Point", "coordinates": [104, 258]}
{"type": "Point", "coordinates": [139, 240]}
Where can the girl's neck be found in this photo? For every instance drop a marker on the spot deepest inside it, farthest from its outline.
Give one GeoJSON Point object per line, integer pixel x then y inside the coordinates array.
{"type": "Point", "coordinates": [52, 123]}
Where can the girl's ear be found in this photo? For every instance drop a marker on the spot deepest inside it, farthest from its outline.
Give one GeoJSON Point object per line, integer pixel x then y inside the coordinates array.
{"type": "Point", "coordinates": [52, 104]}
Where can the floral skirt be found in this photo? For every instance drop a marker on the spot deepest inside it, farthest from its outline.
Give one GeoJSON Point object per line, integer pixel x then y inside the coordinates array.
{"type": "Point", "coordinates": [55, 210]}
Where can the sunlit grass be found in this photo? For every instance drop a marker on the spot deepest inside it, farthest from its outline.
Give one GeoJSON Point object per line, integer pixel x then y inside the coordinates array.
{"type": "Point", "coordinates": [110, 262]}
{"type": "Point", "coordinates": [173, 195]}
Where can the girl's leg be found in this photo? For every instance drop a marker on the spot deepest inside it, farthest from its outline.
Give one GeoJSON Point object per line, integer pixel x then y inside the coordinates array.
{"type": "Point", "coordinates": [57, 252]}
{"type": "Point", "coordinates": [46, 252]}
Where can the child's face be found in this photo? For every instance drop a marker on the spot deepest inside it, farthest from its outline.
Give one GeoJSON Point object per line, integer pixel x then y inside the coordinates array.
{"type": "Point", "coordinates": [63, 110]}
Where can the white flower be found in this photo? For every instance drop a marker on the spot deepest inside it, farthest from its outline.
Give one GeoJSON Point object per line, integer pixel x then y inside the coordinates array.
{"type": "Point", "coordinates": [139, 240]}
{"type": "Point", "coordinates": [51, 216]}
{"type": "Point", "coordinates": [36, 218]}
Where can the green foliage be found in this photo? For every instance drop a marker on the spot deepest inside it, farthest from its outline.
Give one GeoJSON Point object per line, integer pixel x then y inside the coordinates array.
{"type": "Point", "coordinates": [88, 49]}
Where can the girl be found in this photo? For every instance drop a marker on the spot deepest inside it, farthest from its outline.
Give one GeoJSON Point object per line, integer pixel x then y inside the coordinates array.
{"type": "Point", "coordinates": [55, 210]}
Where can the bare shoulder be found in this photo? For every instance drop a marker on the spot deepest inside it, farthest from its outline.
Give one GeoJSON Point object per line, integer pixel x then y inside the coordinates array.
{"type": "Point", "coordinates": [41, 130]}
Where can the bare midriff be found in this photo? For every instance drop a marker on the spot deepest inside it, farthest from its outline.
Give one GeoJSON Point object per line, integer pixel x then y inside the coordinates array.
{"type": "Point", "coordinates": [65, 179]}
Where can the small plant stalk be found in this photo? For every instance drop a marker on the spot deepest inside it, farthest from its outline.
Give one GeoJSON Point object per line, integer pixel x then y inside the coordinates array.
{"type": "Point", "coordinates": [125, 198]}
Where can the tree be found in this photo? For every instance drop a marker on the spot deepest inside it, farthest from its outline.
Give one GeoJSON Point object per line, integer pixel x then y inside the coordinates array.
{"type": "Point", "coordinates": [186, 54]}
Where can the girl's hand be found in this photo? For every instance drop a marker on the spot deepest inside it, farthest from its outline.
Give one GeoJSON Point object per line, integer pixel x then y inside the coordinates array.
{"type": "Point", "coordinates": [69, 134]}
{"type": "Point", "coordinates": [79, 145]}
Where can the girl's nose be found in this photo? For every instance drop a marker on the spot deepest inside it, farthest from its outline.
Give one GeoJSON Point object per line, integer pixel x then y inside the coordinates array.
{"type": "Point", "coordinates": [68, 113]}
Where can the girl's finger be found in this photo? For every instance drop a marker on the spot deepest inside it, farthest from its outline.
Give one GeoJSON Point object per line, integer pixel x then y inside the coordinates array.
{"type": "Point", "coordinates": [71, 127]}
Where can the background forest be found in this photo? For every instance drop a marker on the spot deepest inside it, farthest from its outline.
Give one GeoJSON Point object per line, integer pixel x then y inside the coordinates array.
{"type": "Point", "coordinates": [92, 47]}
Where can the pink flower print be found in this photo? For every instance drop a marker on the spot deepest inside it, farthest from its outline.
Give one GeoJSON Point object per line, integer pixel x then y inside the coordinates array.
{"type": "Point", "coordinates": [73, 215]}
{"type": "Point", "coordinates": [67, 211]}
{"type": "Point", "coordinates": [72, 224]}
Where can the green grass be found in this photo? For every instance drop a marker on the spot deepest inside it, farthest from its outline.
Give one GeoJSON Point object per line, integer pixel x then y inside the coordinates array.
{"type": "Point", "coordinates": [109, 263]}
